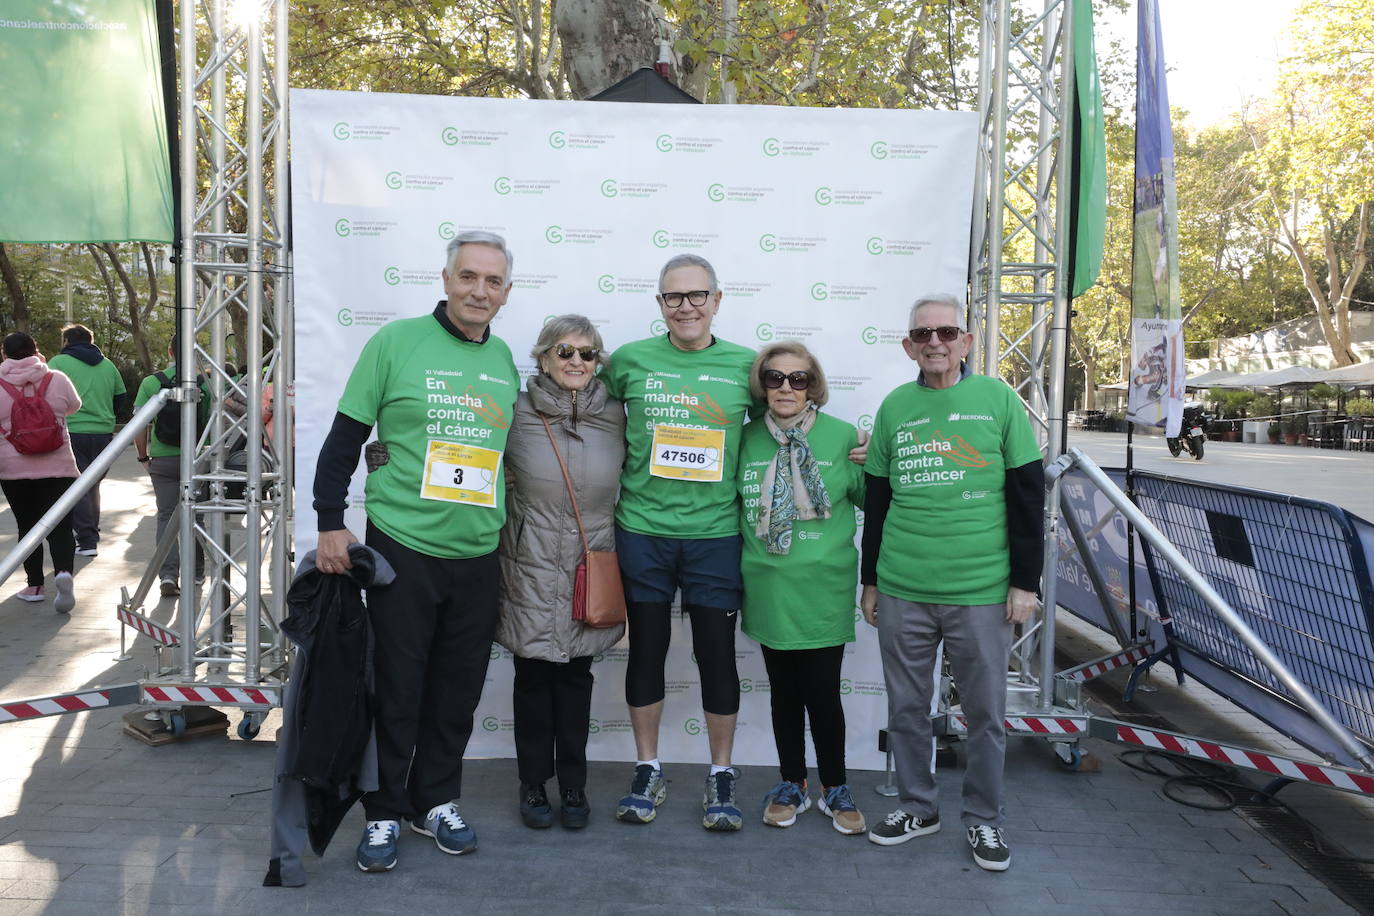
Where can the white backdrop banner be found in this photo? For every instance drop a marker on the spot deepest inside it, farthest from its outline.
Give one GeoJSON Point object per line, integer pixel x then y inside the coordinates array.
{"type": "Point", "coordinates": [823, 225]}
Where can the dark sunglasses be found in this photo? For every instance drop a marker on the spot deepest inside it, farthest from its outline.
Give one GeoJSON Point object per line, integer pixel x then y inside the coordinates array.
{"type": "Point", "coordinates": [797, 381]}
{"type": "Point", "coordinates": [946, 333]}
{"type": "Point", "coordinates": [566, 351]}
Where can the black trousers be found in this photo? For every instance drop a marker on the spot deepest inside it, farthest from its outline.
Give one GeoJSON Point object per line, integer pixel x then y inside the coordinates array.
{"type": "Point", "coordinates": [86, 513]}
{"type": "Point", "coordinates": [432, 628]}
{"type": "Point", "coordinates": [553, 707]}
{"type": "Point", "coordinates": [31, 499]}
{"type": "Point", "coordinates": [806, 683]}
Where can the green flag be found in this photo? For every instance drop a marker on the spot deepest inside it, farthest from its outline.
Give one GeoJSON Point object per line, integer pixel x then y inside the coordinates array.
{"type": "Point", "coordinates": [1088, 219]}
{"type": "Point", "coordinates": [83, 137]}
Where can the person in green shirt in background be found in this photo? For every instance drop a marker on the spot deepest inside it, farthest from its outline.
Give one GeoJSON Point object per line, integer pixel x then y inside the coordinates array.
{"type": "Point", "coordinates": [103, 398]}
{"type": "Point", "coordinates": [800, 568]}
{"type": "Point", "coordinates": [953, 546]}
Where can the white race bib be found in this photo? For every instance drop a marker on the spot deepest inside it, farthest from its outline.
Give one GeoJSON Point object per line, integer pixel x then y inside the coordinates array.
{"type": "Point", "coordinates": [457, 473]}
{"type": "Point", "coordinates": [687, 453]}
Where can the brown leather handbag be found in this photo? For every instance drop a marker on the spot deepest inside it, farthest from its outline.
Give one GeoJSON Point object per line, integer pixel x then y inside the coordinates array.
{"type": "Point", "coordinates": [598, 596]}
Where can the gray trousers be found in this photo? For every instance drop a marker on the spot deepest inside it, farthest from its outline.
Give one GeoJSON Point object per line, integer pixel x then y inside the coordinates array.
{"type": "Point", "coordinates": [86, 513]}
{"type": "Point", "coordinates": [978, 645]}
{"type": "Point", "coordinates": [166, 477]}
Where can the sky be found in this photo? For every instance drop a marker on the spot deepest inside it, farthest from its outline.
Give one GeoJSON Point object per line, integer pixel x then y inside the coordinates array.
{"type": "Point", "coordinates": [1219, 52]}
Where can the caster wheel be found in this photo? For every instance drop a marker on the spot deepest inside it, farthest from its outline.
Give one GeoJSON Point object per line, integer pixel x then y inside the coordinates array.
{"type": "Point", "coordinates": [248, 728]}
{"type": "Point", "coordinates": [1070, 757]}
{"type": "Point", "coordinates": [176, 724]}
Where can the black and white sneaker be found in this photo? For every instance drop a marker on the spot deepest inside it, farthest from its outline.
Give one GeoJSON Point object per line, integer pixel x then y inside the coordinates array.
{"type": "Point", "coordinates": [990, 849]}
{"type": "Point", "coordinates": [899, 826]}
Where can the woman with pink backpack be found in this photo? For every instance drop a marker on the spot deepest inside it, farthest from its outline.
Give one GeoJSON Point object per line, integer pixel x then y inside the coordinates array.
{"type": "Point", "coordinates": [36, 461]}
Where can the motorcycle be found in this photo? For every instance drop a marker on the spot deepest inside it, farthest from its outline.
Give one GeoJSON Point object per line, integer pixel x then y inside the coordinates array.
{"type": "Point", "coordinates": [1192, 434]}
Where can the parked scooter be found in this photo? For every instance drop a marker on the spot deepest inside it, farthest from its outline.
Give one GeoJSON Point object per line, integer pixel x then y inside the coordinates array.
{"type": "Point", "coordinates": [1192, 434]}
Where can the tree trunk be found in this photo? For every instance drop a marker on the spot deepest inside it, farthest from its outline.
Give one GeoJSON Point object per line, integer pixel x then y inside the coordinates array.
{"type": "Point", "coordinates": [136, 328]}
{"type": "Point", "coordinates": [604, 41]}
{"type": "Point", "coordinates": [18, 297]}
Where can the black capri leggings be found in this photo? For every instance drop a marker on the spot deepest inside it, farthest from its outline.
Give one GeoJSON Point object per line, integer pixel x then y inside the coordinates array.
{"type": "Point", "coordinates": [713, 642]}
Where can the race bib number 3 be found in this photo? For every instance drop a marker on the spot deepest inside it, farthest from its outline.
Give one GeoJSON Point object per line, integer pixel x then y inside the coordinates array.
{"type": "Point", "coordinates": [460, 474]}
{"type": "Point", "coordinates": [684, 453]}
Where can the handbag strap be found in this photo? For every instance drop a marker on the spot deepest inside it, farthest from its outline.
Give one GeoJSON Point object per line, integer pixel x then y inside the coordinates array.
{"type": "Point", "coordinates": [567, 481]}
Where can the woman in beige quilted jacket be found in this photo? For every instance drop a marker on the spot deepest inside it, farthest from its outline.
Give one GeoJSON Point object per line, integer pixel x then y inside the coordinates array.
{"type": "Point", "coordinates": [540, 551]}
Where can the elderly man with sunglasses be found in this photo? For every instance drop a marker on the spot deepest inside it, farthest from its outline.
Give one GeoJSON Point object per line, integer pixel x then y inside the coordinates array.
{"type": "Point", "coordinates": [952, 549]}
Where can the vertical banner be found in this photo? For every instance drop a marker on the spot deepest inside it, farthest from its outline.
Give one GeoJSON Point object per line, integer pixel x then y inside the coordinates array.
{"type": "Point", "coordinates": [1157, 374]}
{"type": "Point", "coordinates": [1088, 200]}
{"type": "Point", "coordinates": [83, 135]}
{"type": "Point", "coordinates": [823, 225]}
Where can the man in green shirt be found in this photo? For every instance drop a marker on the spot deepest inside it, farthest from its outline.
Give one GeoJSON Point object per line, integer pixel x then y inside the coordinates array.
{"type": "Point", "coordinates": [102, 394]}
{"type": "Point", "coordinates": [952, 549]}
{"type": "Point", "coordinates": [440, 390]}
{"type": "Point", "coordinates": [686, 396]}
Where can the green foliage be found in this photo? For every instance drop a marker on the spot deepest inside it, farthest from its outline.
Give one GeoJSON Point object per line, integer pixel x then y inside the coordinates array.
{"type": "Point", "coordinates": [1360, 407]}
{"type": "Point", "coordinates": [1323, 392]}
{"type": "Point", "coordinates": [1230, 403]}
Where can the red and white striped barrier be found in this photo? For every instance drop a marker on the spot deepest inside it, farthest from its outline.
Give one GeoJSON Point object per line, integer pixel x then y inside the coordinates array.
{"type": "Point", "coordinates": [62, 703]}
{"type": "Point", "coordinates": [1034, 725]}
{"type": "Point", "coordinates": [206, 695]}
{"type": "Point", "coordinates": [1095, 669]}
{"type": "Point", "coordinates": [1297, 770]}
{"type": "Point", "coordinates": [164, 635]}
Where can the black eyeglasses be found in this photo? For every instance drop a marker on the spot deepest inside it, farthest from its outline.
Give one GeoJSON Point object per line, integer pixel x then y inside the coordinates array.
{"type": "Point", "coordinates": [797, 381]}
{"type": "Point", "coordinates": [946, 333]}
{"type": "Point", "coordinates": [566, 351]}
{"type": "Point", "coordinates": [696, 297]}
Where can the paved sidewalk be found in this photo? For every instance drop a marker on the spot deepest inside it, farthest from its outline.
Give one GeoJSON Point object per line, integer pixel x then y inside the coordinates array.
{"type": "Point", "coordinates": [94, 822]}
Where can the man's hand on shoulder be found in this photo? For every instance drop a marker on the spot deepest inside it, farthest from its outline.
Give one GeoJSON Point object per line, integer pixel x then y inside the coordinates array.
{"type": "Point", "coordinates": [331, 555]}
{"type": "Point", "coordinates": [859, 453]}
{"type": "Point", "coordinates": [1021, 605]}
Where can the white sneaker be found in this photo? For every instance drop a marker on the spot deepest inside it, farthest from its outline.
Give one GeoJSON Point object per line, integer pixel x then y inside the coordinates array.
{"type": "Point", "coordinates": [33, 593]}
{"type": "Point", "coordinates": [64, 600]}
{"type": "Point", "coordinates": [85, 551]}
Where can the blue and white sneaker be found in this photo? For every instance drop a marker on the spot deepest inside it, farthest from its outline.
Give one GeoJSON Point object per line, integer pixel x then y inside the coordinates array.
{"type": "Point", "coordinates": [719, 802]}
{"type": "Point", "coordinates": [377, 851]}
{"type": "Point", "coordinates": [844, 815]}
{"type": "Point", "coordinates": [784, 802]}
{"type": "Point", "coordinates": [647, 791]}
{"type": "Point", "coordinates": [451, 833]}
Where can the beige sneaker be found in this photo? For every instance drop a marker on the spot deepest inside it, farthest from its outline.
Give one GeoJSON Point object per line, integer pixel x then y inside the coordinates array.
{"type": "Point", "coordinates": [844, 815]}
{"type": "Point", "coordinates": [784, 802]}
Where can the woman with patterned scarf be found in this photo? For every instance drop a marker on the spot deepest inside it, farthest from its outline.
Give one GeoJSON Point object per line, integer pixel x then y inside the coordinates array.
{"type": "Point", "coordinates": [800, 571]}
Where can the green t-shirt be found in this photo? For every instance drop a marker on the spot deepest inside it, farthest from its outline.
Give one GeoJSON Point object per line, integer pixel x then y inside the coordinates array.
{"type": "Point", "coordinates": [146, 389]}
{"type": "Point", "coordinates": [946, 452]}
{"type": "Point", "coordinates": [443, 407]}
{"type": "Point", "coordinates": [97, 385]}
{"type": "Point", "coordinates": [685, 410]}
{"type": "Point", "coordinates": [803, 599]}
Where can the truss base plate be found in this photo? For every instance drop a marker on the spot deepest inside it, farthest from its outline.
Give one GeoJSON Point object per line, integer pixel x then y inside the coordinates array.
{"type": "Point", "coordinates": [201, 722]}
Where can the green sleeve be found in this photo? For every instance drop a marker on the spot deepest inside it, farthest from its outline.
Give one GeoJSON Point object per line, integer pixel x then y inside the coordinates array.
{"type": "Point", "coordinates": [878, 458]}
{"type": "Point", "coordinates": [146, 389]}
{"type": "Point", "coordinates": [118, 379]}
{"type": "Point", "coordinates": [366, 386]}
{"type": "Point", "coordinates": [1019, 445]}
{"type": "Point", "coordinates": [856, 473]}
{"type": "Point", "coordinates": [614, 381]}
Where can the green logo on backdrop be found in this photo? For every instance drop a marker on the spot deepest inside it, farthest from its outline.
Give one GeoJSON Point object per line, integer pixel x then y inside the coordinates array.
{"type": "Point", "coordinates": [661, 238]}
{"type": "Point", "coordinates": [664, 142]}
{"type": "Point", "coordinates": [558, 139]}
{"type": "Point", "coordinates": [501, 185]}
{"type": "Point", "coordinates": [393, 180]}
{"type": "Point", "coordinates": [746, 685]}
{"type": "Point", "coordinates": [342, 229]}
{"type": "Point", "coordinates": [495, 652]}
{"type": "Point", "coordinates": [771, 147]}
{"type": "Point", "coordinates": [593, 726]}
{"type": "Point", "coordinates": [344, 317]}
{"type": "Point", "coordinates": [609, 188]}
{"type": "Point", "coordinates": [869, 335]}
{"type": "Point", "coordinates": [875, 245]}
{"type": "Point", "coordinates": [823, 196]}
{"type": "Point", "coordinates": [692, 726]}
{"type": "Point", "coordinates": [658, 326]}
{"type": "Point", "coordinates": [548, 318]}
{"type": "Point", "coordinates": [553, 235]}
{"type": "Point", "coordinates": [341, 131]}
{"type": "Point", "coordinates": [768, 242]}
{"type": "Point", "coordinates": [606, 283]}
{"type": "Point", "coordinates": [491, 723]}
{"type": "Point", "coordinates": [878, 149]}
{"type": "Point", "coordinates": [764, 332]}
{"type": "Point", "coordinates": [446, 230]}
{"type": "Point", "coordinates": [846, 686]}
{"type": "Point", "coordinates": [866, 421]}
{"type": "Point", "coordinates": [716, 192]}
{"type": "Point", "coordinates": [392, 276]}
{"type": "Point", "coordinates": [449, 135]}
{"type": "Point", "coordinates": [820, 292]}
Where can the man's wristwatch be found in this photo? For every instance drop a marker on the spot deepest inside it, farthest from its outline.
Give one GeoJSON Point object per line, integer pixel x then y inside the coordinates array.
{"type": "Point", "coordinates": [144, 458]}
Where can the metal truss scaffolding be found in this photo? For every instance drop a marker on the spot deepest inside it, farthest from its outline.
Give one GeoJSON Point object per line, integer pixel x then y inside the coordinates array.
{"type": "Point", "coordinates": [225, 648]}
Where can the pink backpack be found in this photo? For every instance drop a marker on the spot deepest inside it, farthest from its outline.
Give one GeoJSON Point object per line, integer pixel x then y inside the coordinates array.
{"type": "Point", "coordinates": [34, 428]}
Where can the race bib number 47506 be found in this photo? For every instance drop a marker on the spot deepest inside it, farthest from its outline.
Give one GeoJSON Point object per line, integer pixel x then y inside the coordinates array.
{"type": "Point", "coordinates": [685, 453]}
{"type": "Point", "coordinates": [457, 473]}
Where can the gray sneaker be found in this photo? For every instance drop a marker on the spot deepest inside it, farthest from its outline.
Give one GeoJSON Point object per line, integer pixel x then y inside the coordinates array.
{"type": "Point", "coordinates": [898, 827]}
{"type": "Point", "coordinates": [647, 792]}
{"type": "Point", "coordinates": [990, 849]}
{"type": "Point", "coordinates": [719, 803]}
